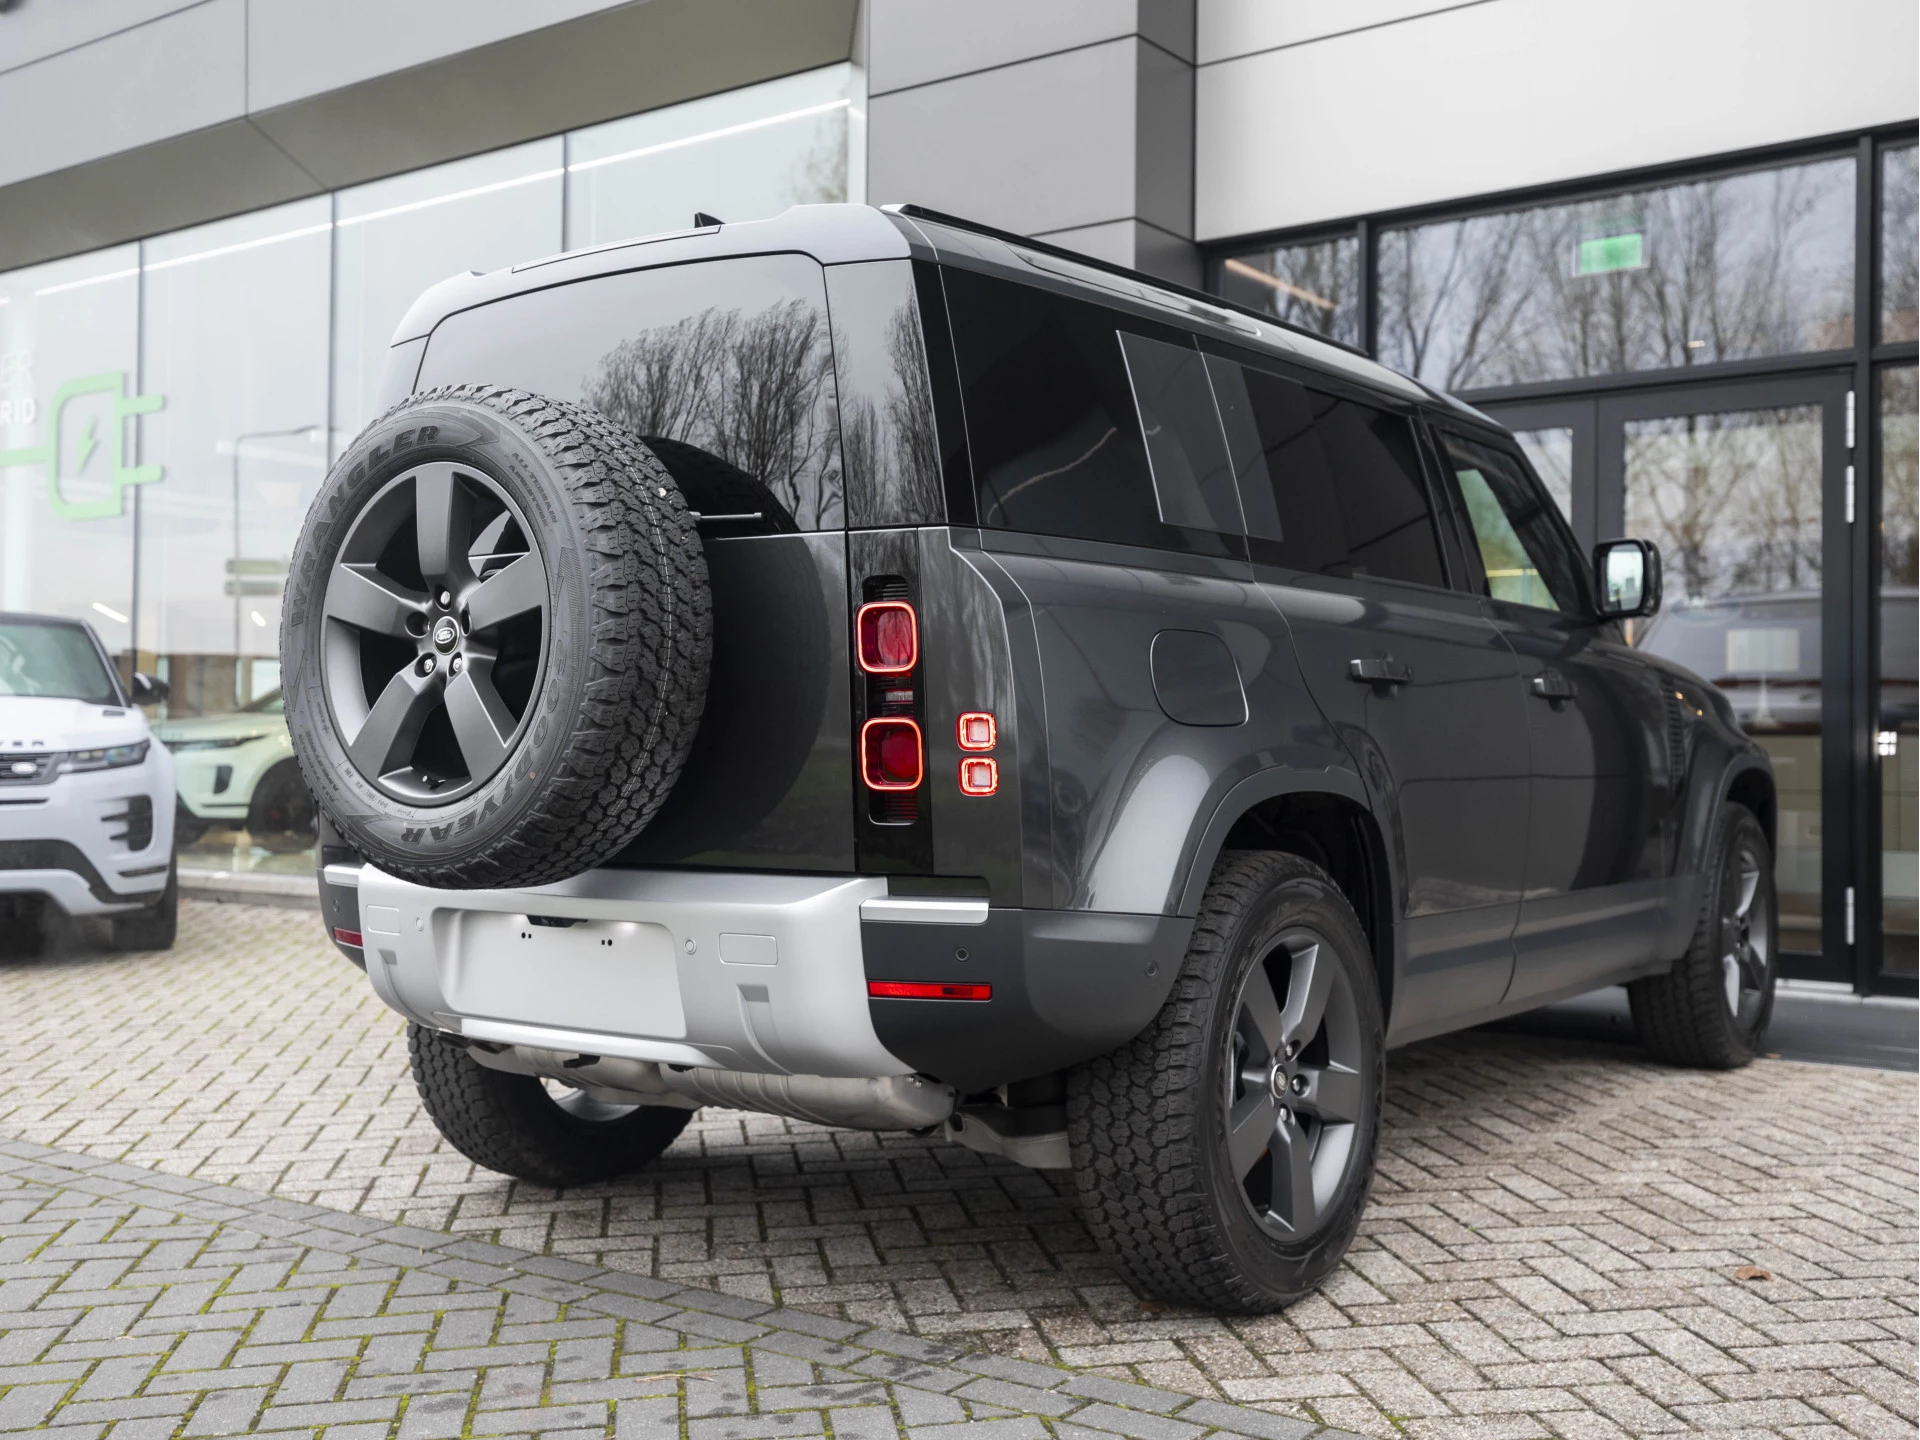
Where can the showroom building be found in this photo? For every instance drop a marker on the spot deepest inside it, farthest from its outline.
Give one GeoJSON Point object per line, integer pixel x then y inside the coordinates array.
{"type": "Point", "coordinates": [1671, 244]}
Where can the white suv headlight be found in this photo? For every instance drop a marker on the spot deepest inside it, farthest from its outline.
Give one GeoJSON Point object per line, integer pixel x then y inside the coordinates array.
{"type": "Point", "coordinates": [111, 758]}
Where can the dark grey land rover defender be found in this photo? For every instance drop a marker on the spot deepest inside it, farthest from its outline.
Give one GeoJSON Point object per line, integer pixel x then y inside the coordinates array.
{"type": "Point", "coordinates": [865, 667]}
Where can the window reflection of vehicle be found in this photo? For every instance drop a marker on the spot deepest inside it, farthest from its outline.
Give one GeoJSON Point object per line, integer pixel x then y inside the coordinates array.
{"type": "Point", "coordinates": [1764, 652]}
{"type": "Point", "coordinates": [237, 769]}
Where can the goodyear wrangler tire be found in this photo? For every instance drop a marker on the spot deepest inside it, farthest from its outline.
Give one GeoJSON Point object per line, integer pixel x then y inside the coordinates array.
{"type": "Point", "coordinates": [496, 639]}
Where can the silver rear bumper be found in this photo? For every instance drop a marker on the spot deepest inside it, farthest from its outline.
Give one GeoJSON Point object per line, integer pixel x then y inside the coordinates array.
{"type": "Point", "coordinates": [749, 972]}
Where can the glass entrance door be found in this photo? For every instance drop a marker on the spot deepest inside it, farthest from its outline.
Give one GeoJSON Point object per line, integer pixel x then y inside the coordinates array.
{"type": "Point", "coordinates": [1774, 593]}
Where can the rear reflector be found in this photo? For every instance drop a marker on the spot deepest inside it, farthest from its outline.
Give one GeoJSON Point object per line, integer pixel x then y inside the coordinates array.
{"type": "Point", "coordinates": [348, 937]}
{"type": "Point", "coordinates": [888, 637]}
{"type": "Point", "coordinates": [890, 756]}
{"type": "Point", "coordinates": [978, 776]}
{"type": "Point", "coordinates": [977, 731]}
{"type": "Point", "coordinates": [920, 990]}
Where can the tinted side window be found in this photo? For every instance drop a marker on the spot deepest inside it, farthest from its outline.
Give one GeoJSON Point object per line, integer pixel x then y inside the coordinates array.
{"type": "Point", "coordinates": [886, 403]}
{"type": "Point", "coordinates": [729, 363]}
{"type": "Point", "coordinates": [1050, 415]}
{"type": "Point", "coordinates": [1526, 559]}
{"type": "Point", "coordinates": [1330, 485]}
{"type": "Point", "coordinates": [1192, 480]}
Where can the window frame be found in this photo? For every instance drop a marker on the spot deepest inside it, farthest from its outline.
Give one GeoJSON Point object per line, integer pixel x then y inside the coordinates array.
{"type": "Point", "coordinates": [1502, 443]}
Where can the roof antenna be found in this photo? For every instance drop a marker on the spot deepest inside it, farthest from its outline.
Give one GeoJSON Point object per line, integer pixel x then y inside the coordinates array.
{"type": "Point", "coordinates": [701, 220]}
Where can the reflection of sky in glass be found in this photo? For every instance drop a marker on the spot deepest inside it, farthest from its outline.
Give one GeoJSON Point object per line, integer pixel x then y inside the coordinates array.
{"type": "Point", "coordinates": [1551, 454]}
{"type": "Point", "coordinates": [743, 155]}
{"type": "Point", "coordinates": [1746, 265]}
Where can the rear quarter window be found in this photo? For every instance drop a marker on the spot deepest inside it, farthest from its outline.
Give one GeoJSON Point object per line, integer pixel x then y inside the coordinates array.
{"type": "Point", "coordinates": [730, 358]}
{"type": "Point", "coordinates": [1057, 441]}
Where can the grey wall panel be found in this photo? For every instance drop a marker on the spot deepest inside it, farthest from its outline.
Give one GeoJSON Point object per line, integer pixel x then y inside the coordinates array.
{"type": "Point", "coordinates": [918, 41]}
{"type": "Point", "coordinates": [217, 171]}
{"type": "Point", "coordinates": [1163, 145]}
{"type": "Point", "coordinates": [1033, 147]}
{"type": "Point", "coordinates": [39, 28]}
{"type": "Point", "coordinates": [1227, 28]}
{"type": "Point", "coordinates": [1135, 244]}
{"type": "Point", "coordinates": [1170, 24]}
{"type": "Point", "coordinates": [1113, 241]}
{"type": "Point", "coordinates": [182, 72]}
{"type": "Point", "coordinates": [613, 62]}
{"type": "Point", "coordinates": [1369, 121]}
{"type": "Point", "coordinates": [296, 48]}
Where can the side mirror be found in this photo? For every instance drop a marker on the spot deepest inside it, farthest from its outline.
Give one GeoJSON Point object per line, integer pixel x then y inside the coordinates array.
{"type": "Point", "coordinates": [146, 690]}
{"type": "Point", "coordinates": [1626, 576]}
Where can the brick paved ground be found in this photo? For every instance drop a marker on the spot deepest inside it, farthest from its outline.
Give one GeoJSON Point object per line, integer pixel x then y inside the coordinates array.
{"type": "Point", "coordinates": [141, 1305]}
{"type": "Point", "coordinates": [1551, 1249]}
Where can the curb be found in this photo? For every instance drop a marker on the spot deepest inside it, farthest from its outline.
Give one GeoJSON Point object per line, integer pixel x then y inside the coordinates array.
{"type": "Point", "coordinates": [292, 892]}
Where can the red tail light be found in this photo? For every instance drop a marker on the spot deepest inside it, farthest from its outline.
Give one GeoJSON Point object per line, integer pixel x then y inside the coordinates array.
{"type": "Point", "coordinates": [978, 776]}
{"type": "Point", "coordinates": [977, 731]}
{"type": "Point", "coordinates": [891, 754]}
{"type": "Point", "coordinates": [888, 637]}
{"type": "Point", "coordinates": [348, 937]}
{"type": "Point", "coordinates": [918, 990]}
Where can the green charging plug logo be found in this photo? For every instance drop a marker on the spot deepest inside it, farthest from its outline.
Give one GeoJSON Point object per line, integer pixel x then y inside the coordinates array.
{"type": "Point", "coordinates": [50, 452]}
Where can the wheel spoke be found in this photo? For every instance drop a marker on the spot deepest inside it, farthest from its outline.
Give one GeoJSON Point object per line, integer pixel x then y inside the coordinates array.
{"type": "Point", "coordinates": [1730, 980]}
{"type": "Point", "coordinates": [386, 741]}
{"type": "Point", "coordinates": [442, 522]}
{"type": "Point", "coordinates": [513, 590]}
{"type": "Point", "coordinates": [363, 597]}
{"type": "Point", "coordinates": [1749, 886]}
{"type": "Point", "coordinates": [1249, 1132]}
{"type": "Point", "coordinates": [482, 724]}
{"type": "Point", "coordinates": [1306, 995]}
{"type": "Point", "coordinates": [1260, 1018]}
{"type": "Point", "coordinates": [1752, 967]}
{"type": "Point", "coordinates": [1292, 1202]}
{"type": "Point", "coordinates": [1333, 1094]}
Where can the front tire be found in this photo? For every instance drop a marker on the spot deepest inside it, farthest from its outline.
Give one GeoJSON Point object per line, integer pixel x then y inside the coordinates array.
{"type": "Point", "coordinates": [280, 815]}
{"type": "Point", "coordinates": [1712, 1009]}
{"type": "Point", "coordinates": [510, 1123]}
{"type": "Point", "coordinates": [155, 927]}
{"type": "Point", "coordinates": [1224, 1155]}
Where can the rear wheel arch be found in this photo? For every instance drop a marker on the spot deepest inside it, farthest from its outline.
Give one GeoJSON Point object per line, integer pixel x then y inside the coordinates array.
{"type": "Point", "coordinates": [1321, 820]}
{"type": "Point", "coordinates": [1751, 786]}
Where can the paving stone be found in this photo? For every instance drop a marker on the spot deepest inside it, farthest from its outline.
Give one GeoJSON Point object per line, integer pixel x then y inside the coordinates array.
{"type": "Point", "coordinates": [1541, 1209]}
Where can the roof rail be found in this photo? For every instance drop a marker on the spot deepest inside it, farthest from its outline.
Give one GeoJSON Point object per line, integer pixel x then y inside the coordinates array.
{"type": "Point", "coordinates": [940, 217]}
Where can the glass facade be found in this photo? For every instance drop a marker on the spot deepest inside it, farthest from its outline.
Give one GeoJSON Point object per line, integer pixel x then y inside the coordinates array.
{"type": "Point", "coordinates": [1315, 286]}
{"type": "Point", "coordinates": [168, 409]}
{"type": "Point", "coordinates": [1722, 363]}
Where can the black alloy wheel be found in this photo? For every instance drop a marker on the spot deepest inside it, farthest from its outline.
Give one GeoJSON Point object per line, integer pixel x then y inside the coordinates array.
{"type": "Point", "coordinates": [1294, 1092]}
{"type": "Point", "coordinates": [436, 609]}
{"type": "Point", "coordinates": [1746, 930]}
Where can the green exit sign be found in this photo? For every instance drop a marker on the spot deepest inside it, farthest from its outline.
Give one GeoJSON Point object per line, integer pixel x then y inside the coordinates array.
{"type": "Point", "coordinates": [1610, 253]}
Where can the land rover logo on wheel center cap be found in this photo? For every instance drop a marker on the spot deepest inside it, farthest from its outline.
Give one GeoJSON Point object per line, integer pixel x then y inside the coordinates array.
{"type": "Point", "coordinates": [446, 634]}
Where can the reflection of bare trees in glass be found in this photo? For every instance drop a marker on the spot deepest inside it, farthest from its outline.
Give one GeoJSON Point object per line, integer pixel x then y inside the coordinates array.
{"type": "Point", "coordinates": [1315, 286]}
{"type": "Point", "coordinates": [1899, 243]}
{"type": "Point", "coordinates": [1732, 500]}
{"type": "Point", "coordinates": [1899, 482]}
{"type": "Point", "coordinates": [1755, 264]}
{"type": "Point", "coordinates": [892, 456]}
{"type": "Point", "coordinates": [754, 390]}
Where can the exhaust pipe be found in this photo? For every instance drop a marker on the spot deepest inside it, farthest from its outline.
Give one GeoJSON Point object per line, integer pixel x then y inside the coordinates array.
{"type": "Point", "coordinates": [885, 1102]}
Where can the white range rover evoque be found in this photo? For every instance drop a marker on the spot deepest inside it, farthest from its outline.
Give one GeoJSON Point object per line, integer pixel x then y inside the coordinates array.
{"type": "Point", "coordinates": [86, 796]}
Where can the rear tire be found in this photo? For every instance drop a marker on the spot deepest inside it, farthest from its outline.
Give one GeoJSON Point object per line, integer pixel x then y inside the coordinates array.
{"type": "Point", "coordinates": [1712, 1009]}
{"type": "Point", "coordinates": [1224, 1155]}
{"type": "Point", "coordinates": [280, 815]}
{"type": "Point", "coordinates": [510, 1123]}
{"type": "Point", "coordinates": [155, 927]}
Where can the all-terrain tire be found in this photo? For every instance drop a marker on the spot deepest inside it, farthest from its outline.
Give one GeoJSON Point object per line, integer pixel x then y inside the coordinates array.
{"type": "Point", "coordinates": [156, 926]}
{"type": "Point", "coordinates": [1146, 1124]}
{"type": "Point", "coordinates": [510, 1124]}
{"type": "Point", "coordinates": [624, 650]}
{"type": "Point", "coordinates": [1684, 1016]}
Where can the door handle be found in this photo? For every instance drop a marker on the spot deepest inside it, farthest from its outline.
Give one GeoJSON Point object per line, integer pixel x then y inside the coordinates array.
{"type": "Point", "coordinates": [1552, 686]}
{"type": "Point", "coordinates": [1383, 670]}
